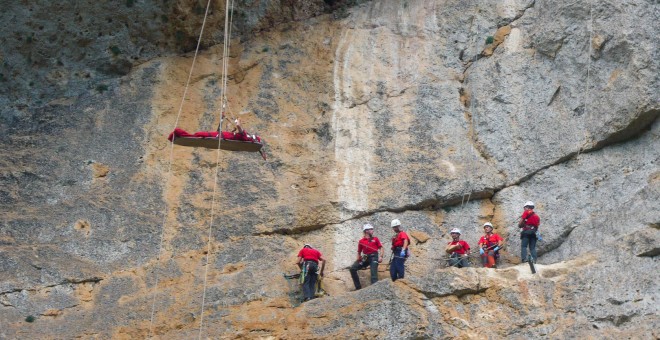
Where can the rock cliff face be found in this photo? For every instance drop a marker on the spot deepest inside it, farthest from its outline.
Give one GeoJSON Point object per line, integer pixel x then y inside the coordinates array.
{"type": "Point", "coordinates": [370, 111]}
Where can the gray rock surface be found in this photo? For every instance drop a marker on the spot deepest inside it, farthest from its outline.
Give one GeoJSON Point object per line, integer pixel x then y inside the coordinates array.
{"type": "Point", "coordinates": [541, 97]}
{"type": "Point", "coordinates": [377, 110]}
{"type": "Point", "coordinates": [53, 50]}
{"type": "Point", "coordinates": [604, 195]}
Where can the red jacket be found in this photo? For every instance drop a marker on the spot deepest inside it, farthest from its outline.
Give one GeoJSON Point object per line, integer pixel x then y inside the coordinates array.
{"type": "Point", "coordinates": [369, 246]}
{"type": "Point", "coordinates": [310, 254]}
{"type": "Point", "coordinates": [465, 247]}
{"type": "Point", "coordinates": [530, 219]}
{"type": "Point", "coordinates": [491, 240]}
{"type": "Point", "coordinates": [398, 239]}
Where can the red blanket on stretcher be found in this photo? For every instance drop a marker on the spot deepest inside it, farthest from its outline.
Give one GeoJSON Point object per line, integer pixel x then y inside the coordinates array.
{"type": "Point", "coordinates": [226, 135]}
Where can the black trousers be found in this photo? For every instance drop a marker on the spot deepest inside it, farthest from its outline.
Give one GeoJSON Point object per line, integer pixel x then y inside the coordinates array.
{"type": "Point", "coordinates": [528, 238]}
{"type": "Point", "coordinates": [309, 284]}
{"type": "Point", "coordinates": [371, 261]}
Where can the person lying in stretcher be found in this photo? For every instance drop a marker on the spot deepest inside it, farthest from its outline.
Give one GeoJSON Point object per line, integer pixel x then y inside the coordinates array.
{"type": "Point", "coordinates": [238, 133]}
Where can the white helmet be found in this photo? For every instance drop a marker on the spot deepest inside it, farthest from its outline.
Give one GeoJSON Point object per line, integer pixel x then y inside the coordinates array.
{"type": "Point", "coordinates": [455, 230]}
{"type": "Point", "coordinates": [529, 204]}
{"type": "Point", "coordinates": [396, 223]}
{"type": "Point", "coordinates": [367, 227]}
{"type": "Point", "coordinates": [488, 224]}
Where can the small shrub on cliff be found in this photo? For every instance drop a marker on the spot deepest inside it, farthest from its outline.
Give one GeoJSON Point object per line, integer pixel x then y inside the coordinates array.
{"type": "Point", "coordinates": [179, 35]}
{"type": "Point", "coordinates": [115, 50]}
{"type": "Point", "coordinates": [30, 318]}
{"type": "Point", "coordinates": [101, 88]}
{"type": "Point", "coordinates": [199, 10]}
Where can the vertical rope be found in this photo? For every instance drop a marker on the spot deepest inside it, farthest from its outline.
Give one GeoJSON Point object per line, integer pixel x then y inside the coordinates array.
{"type": "Point", "coordinates": [209, 239]}
{"type": "Point", "coordinates": [227, 46]}
{"type": "Point", "coordinates": [169, 170]}
{"type": "Point", "coordinates": [223, 90]}
{"type": "Point", "coordinates": [471, 130]}
{"type": "Point", "coordinates": [587, 96]}
{"type": "Point", "coordinates": [225, 62]}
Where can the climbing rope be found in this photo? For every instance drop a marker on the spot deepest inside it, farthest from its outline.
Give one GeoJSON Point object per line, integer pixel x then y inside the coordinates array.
{"type": "Point", "coordinates": [169, 170]}
{"type": "Point", "coordinates": [587, 90]}
{"type": "Point", "coordinates": [223, 91]}
{"type": "Point", "coordinates": [225, 63]}
{"type": "Point", "coordinates": [471, 134]}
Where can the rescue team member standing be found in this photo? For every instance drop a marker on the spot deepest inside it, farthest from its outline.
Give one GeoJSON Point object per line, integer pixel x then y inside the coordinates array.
{"type": "Point", "coordinates": [400, 243]}
{"type": "Point", "coordinates": [529, 223]}
{"type": "Point", "coordinates": [458, 250]}
{"type": "Point", "coordinates": [369, 254]}
{"type": "Point", "coordinates": [308, 259]}
{"type": "Point", "coordinates": [489, 246]}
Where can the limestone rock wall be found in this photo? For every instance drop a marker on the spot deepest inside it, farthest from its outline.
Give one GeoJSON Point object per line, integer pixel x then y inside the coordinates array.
{"type": "Point", "coordinates": [371, 111]}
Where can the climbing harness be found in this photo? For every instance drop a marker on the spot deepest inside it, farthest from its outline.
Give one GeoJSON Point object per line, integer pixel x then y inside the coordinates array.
{"type": "Point", "coordinates": [455, 261]}
{"type": "Point", "coordinates": [295, 290]}
{"type": "Point", "coordinates": [303, 273]}
{"type": "Point", "coordinates": [491, 260]}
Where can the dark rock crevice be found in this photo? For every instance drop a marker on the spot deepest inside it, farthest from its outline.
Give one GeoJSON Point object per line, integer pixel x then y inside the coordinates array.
{"type": "Point", "coordinates": [554, 95]}
{"type": "Point", "coordinates": [635, 129]}
{"type": "Point", "coordinates": [94, 279]}
{"type": "Point", "coordinates": [240, 74]}
{"type": "Point", "coordinates": [556, 243]}
{"type": "Point", "coordinates": [293, 231]}
{"type": "Point", "coordinates": [651, 253]}
{"type": "Point", "coordinates": [457, 292]}
{"type": "Point", "coordinates": [386, 95]}
{"type": "Point", "coordinates": [616, 320]}
{"type": "Point", "coordinates": [521, 13]}
{"type": "Point", "coordinates": [427, 204]}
